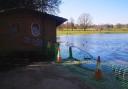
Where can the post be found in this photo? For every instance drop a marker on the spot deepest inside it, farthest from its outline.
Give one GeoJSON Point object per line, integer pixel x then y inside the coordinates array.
{"type": "Point", "coordinates": [70, 53]}
{"type": "Point", "coordinates": [49, 49]}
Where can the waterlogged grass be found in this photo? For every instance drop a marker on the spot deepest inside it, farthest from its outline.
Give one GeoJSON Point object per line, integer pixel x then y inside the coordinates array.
{"type": "Point", "coordinates": [108, 81]}
{"type": "Point", "coordinates": [89, 31]}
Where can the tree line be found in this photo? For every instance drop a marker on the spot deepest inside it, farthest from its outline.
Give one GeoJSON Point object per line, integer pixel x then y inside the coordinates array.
{"type": "Point", "coordinates": [84, 22]}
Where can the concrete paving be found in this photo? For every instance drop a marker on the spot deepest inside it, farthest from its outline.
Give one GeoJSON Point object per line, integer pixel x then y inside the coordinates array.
{"type": "Point", "coordinates": [41, 76]}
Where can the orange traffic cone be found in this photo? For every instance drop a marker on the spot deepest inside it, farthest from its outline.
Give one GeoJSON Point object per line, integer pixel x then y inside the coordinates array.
{"type": "Point", "coordinates": [59, 56]}
{"type": "Point", "coordinates": [98, 72]}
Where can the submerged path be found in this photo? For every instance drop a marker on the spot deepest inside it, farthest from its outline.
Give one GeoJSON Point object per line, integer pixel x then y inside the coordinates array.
{"type": "Point", "coordinates": [41, 76]}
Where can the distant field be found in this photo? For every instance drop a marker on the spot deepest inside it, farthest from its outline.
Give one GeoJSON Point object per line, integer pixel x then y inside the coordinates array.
{"type": "Point", "coordinates": [89, 31]}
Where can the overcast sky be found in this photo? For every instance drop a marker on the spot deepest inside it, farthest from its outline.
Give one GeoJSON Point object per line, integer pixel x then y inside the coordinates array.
{"type": "Point", "coordinates": [101, 11]}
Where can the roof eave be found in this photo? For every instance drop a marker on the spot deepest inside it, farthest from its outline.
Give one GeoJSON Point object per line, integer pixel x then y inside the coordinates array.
{"type": "Point", "coordinates": [60, 21]}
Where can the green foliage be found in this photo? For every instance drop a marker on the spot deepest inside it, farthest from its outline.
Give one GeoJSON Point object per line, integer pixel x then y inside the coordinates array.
{"type": "Point", "coordinates": [49, 6]}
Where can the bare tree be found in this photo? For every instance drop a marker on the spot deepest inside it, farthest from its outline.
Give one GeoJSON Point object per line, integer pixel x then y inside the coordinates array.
{"type": "Point", "coordinates": [126, 25]}
{"type": "Point", "coordinates": [84, 21]}
{"type": "Point", "coordinates": [119, 25]}
{"type": "Point", "coordinates": [72, 23]}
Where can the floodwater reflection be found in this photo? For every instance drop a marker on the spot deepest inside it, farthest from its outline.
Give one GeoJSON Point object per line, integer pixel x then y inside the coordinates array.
{"type": "Point", "coordinates": [111, 47]}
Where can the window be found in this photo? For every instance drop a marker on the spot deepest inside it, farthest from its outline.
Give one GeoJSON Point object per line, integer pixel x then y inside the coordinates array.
{"type": "Point", "coordinates": [35, 29]}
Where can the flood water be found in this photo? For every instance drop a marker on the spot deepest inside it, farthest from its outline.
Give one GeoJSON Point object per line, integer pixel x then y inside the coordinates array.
{"type": "Point", "coordinates": [110, 47]}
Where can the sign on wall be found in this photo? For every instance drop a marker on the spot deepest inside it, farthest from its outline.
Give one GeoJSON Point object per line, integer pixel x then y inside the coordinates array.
{"type": "Point", "coordinates": [37, 42]}
{"type": "Point", "coordinates": [34, 41]}
{"type": "Point", "coordinates": [35, 29]}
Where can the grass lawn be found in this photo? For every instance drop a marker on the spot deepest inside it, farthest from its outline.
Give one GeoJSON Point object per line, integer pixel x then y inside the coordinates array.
{"type": "Point", "coordinates": [89, 31]}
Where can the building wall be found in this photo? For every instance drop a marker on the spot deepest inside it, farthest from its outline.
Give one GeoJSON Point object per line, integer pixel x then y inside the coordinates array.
{"type": "Point", "coordinates": [50, 30]}
{"type": "Point", "coordinates": [16, 34]}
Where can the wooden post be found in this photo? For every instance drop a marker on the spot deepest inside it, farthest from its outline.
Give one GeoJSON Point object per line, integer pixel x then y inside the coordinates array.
{"type": "Point", "coordinates": [70, 53]}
